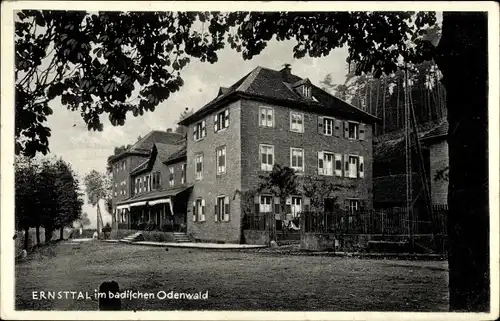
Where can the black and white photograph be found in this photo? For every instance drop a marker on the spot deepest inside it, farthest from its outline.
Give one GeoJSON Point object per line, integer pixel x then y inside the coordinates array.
{"type": "Point", "coordinates": [250, 160]}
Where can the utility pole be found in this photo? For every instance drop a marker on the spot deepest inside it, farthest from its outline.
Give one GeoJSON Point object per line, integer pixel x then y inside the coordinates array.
{"type": "Point", "coordinates": [409, 194]}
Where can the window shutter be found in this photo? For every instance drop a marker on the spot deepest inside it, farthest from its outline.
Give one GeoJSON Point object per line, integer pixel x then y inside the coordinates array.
{"type": "Point", "coordinates": [346, 165]}
{"type": "Point", "coordinates": [256, 208]}
{"type": "Point", "coordinates": [194, 211]}
{"type": "Point", "coordinates": [320, 125]}
{"type": "Point", "coordinates": [362, 131]}
{"type": "Point", "coordinates": [226, 118]}
{"type": "Point", "coordinates": [216, 125]}
{"type": "Point", "coordinates": [226, 212]}
{"type": "Point", "coordinates": [307, 204]}
{"type": "Point", "coordinates": [288, 208]}
{"type": "Point", "coordinates": [361, 167]}
{"type": "Point", "coordinates": [320, 163]}
{"type": "Point", "coordinates": [203, 129]}
{"type": "Point", "coordinates": [194, 131]}
{"type": "Point", "coordinates": [276, 205]}
{"type": "Point", "coordinates": [338, 171]}
{"type": "Point", "coordinates": [216, 211]}
{"type": "Point", "coordinates": [203, 209]}
{"type": "Point", "coordinates": [346, 129]}
{"type": "Point", "coordinates": [337, 128]}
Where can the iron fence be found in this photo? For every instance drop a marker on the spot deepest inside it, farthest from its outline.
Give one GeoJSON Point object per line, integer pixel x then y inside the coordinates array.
{"type": "Point", "coordinates": [391, 221]}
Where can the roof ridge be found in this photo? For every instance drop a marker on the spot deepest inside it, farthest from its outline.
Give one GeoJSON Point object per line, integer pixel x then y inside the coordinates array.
{"type": "Point", "coordinates": [249, 79]}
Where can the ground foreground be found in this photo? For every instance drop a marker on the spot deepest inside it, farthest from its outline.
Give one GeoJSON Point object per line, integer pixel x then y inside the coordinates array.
{"type": "Point", "coordinates": [235, 280]}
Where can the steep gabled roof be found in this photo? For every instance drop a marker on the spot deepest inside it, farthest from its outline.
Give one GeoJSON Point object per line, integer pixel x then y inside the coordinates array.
{"type": "Point", "coordinates": [159, 152]}
{"type": "Point", "coordinates": [276, 87]}
{"type": "Point", "coordinates": [144, 145]}
{"type": "Point", "coordinates": [177, 155]}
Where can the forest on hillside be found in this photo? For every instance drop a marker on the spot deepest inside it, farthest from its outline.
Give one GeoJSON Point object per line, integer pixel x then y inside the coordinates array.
{"type": "Point", "coordinates": [384, 97]}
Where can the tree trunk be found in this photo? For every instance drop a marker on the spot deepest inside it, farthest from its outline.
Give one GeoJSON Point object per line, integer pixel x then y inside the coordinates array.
{"type": "Point", "coordinates": [48, 234]}
{"type": "Point", "coordinates": [26, 238]}
{"type": "Point", "coordinates": [38, 236]}
{"type": "Point", "coordinates": [462, 57]}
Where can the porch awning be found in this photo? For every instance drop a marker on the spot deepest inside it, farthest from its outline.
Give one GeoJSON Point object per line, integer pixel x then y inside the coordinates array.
{"type": "Point", "coordinates": [138, 204]}
{"type": "Point", "coordinates": [160, 201]}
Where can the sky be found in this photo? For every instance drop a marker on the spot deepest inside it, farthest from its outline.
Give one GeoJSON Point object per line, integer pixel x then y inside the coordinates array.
{"type": "Point", "coordinates": [87, 150]}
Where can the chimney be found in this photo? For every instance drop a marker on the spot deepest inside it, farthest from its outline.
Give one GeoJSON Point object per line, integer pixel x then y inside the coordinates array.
{"type": "Point", "coordinates": [169, 130]}
{"type": "Point", "coordinates": [287, 70]}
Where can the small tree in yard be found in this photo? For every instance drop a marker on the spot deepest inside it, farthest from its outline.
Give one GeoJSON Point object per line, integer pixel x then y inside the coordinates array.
{"type": "Point", "coordinates": [317, 189]}
{"type": "Point", "coordinates": [280, 182]}
{"type": "Point", "coordinates": [98, 187]}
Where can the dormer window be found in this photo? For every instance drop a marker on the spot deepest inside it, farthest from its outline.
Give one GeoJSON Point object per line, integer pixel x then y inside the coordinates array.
{"type": "Point", "coordinates": [306, 91]}
{"type": "Point", "coordinates": [303, 87]}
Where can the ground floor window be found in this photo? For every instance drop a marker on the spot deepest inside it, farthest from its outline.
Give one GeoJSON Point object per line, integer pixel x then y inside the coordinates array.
{"type": "Point", "coordinates": [199, 210]}
{"type": "Point", "coordinates": [353, 206]}
{"type": "Point", "coordinates": [296, 206]}
{"type": "Point", "coordinates": [222, 209]}
{"type": "Point", "coordinates": [266, 204]}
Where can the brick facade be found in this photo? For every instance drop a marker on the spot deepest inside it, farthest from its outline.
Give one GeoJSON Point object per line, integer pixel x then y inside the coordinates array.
{"type": "Point", "coordinates": [212, 185]}
{"type": "Point", "coordinates": [122, 174]}
{"type": "Point", "coordinates": [310, 141]}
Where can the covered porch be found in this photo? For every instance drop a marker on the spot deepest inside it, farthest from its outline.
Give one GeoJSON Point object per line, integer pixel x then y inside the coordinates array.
{"type": "Point", "coordinates": [164, 211]}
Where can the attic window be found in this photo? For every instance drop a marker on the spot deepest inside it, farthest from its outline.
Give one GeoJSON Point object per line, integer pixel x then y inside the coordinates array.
{"type": "Point", "coordinates": [306, 91]}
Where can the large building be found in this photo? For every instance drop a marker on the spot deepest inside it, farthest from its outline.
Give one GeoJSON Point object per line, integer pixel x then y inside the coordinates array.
{"type": "Point", "coordinates": [271, 117]}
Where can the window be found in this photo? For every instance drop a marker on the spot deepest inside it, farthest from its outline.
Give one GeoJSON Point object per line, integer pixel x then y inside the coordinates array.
{"type": "Point", "coordinates": [353, 206]}
{"type": "Point", "coordinates": [171, 176]}
{"type": "Point", "coordinates": [156, 180]}
{"type": "Point", "coordinates": [353, 130]}
{"type": "Point", "coordinates": [338, 164]}
{"type": "Point", "coordinates": [183, 173]}
{"type": "Point", "coordinates": [147, 183]}
{"type": "Point", "coordinates": [137, 183]}
{"type": "Point", "coordinates": [221, 120]}
{"type": "Point", "coordinates": [266, 157]}
{"type": "Point", "coordinates": [140, 185]}
{"type": "Point", "coordinates": [199, 210]}
{"type": "Point", "coordinates": [296, 206]}
{"type": "Point", "coordinates": [222, 209]}
{"type": "Point", "coordinates": [325, 163]}
{"type": "Point", "coordinates": [297, 159]}
{"type": "Point", "coordinates": [124, 165]}
{"type": "Point", "coordinates": [116, 189]}
{"type": "Point", "coordinates": [123, 188]}
{"type": "Point", "coordinates": [266, 116]}
{"type": "Point", "coordinates": [199, 130]}
{"type": "Point", "coordinates": [221, 160]}
{"type": "Point", "coordinates": [296, 122]}
{"type": "Point", "coordinates": [199, 166]}
{"type": "Point", "coordinates": [354, 166]}
{"type": "Point", "coordinates": [266, 204]}
{"type": "Point", "coordinates": [328, 126]}
{"type": "Point", "coordinates": [306, 91]}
